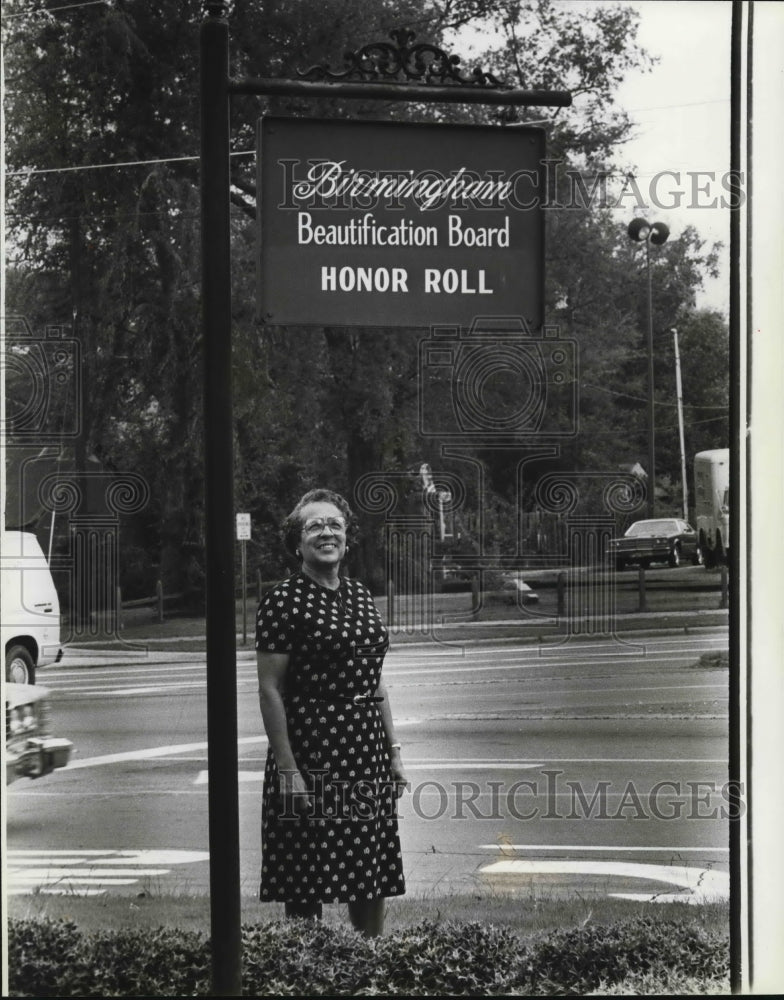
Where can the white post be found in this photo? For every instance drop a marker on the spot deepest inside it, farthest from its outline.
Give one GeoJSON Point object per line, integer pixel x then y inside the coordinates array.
{"type": "Point", "coordinates": [679, 394]}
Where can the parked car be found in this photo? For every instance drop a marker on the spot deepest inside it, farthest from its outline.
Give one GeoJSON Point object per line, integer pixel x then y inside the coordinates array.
{"type": "Point", "coordinates": [30, 749]}
{"type": "Point", "coordinates": [664, 539]}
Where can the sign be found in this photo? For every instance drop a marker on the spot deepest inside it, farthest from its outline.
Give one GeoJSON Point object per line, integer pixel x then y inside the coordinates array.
{"type": "Point", "coordinates": [243, 527]}
{"type": "Point", "coordinates": [399, 224]}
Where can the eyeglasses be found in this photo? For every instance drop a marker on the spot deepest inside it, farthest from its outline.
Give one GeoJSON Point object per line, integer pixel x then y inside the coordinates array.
{"type": "Point", "coordinates": [315, 527]}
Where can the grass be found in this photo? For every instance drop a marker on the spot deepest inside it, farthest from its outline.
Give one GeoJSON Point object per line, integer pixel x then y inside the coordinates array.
{"type": "Point", "coordinates": [522, 914]}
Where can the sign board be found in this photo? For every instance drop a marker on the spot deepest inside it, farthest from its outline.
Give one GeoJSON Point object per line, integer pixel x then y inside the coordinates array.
{"type": "Point", "coordinates": [243, 527]}
{"type": "Point", "coordinates": [398, 224]}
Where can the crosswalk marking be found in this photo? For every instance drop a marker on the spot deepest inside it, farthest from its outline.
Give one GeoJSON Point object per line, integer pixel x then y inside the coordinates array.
{"type": "Point", "coordinates": [88, 872]}
{"type": "Point", "coordinates": [695, 885]}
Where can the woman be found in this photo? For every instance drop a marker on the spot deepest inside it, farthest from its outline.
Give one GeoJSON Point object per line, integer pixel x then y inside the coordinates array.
{"type": "Point", "coordinates": [329, 819]}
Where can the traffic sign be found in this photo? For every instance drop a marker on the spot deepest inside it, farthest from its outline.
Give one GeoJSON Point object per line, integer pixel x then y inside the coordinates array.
{"type": "Point", "coordinates": [243, 527]}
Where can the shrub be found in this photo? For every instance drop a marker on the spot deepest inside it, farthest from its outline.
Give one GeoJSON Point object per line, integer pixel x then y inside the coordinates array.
{"type": "Point", "coordinates": [54, 959]}
{"type": "Point", "coordinates": [589, 955]}
{"type": "Point", "coordinates": [298, 958]}
{"type": "Point", "coordinates": [447, 959]}
{"type": "Point", "coordinates": [302, 958]}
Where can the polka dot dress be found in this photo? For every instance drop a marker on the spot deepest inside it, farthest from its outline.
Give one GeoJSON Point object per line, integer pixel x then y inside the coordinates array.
{"type": "Point", "coordinates": [347, 847]}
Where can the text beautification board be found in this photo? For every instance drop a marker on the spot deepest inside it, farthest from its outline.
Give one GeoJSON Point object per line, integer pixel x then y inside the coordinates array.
{"type": "Point", "coordinates": [399, 224]}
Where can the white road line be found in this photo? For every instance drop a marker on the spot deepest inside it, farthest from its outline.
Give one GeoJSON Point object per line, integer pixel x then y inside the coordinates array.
{"type": "Point", "coordinates": [243, 777]}
{"type": "Point", "coordinates": [53, 874]}
{"type": "Point", "coordinates": [499, 666]}
{"type": "Point", "coordinates": [65, 885]}
{"type": "Point", "coordinates": [152, 752]}
{"type": "Point", "coordinates": [104, 692]}
{"type": "Point", "coordinates": [701, 885]}
{"type": "Point", "coordinates": [65, 872]}
{"type": "Point", "coordinates": [43, 890]}
{"type": "Point", "coordinates": [492, 761]}
{"type": "Point", "coordinates": [615, 848]}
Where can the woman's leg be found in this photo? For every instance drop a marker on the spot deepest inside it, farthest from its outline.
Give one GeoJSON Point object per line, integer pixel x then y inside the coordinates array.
{"type": "Point", "coordinates": [303, 910]}
{"type": "Point", "coordinates": [367, 916]}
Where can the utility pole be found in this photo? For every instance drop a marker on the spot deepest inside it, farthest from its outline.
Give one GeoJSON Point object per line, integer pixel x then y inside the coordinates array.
{"type": "Point", "coordinates": [679, 395]}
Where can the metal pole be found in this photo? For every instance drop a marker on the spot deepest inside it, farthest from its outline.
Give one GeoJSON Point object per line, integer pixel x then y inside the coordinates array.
{"type": "Point", "coordinates": [679, 396]}
{"type": "Point", "coordinates": [244, 595]}
{"type": "Point", "coordinates": [223, 793]}
{"type": "Point", "coordinates": [651, 430]}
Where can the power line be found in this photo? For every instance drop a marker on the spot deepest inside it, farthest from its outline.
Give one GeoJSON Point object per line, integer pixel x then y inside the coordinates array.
{"type": "Point", "coordinates": [122, 163]}
{"type": "Point", "coordinates": [644, 399]}
{"type": "Point", "coordinates": [55, 10]}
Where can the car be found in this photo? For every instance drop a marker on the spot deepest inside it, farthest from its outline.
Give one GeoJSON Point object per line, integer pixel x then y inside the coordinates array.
{"type": "Point", "coordinates": [31, 750]}
{"type": "Point", "coordinates": [665, 539]}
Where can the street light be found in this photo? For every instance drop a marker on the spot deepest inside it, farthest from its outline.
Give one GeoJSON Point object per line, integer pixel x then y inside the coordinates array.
{"type": "Point", "coordinates": [642, 231]}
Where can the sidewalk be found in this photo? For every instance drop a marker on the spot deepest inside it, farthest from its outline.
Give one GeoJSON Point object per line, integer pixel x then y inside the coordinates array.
{"type": "Point", "coordinates": [189, 634]}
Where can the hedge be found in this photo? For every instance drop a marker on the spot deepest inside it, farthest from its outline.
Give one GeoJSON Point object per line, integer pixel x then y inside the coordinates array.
{"type": "Point", "coordinates": [295, 958]}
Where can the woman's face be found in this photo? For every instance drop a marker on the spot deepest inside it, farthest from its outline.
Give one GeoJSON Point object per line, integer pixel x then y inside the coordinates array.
{"type": "Point", "coordinates": [323, 536]}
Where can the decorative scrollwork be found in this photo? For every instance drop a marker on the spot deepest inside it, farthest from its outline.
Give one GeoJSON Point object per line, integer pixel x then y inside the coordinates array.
{"type": "Point", "coordinates": [624, 494]}
{"type": "Point", "coordinates": [556, 494]}
{"type": "Point", "coordinates": [375, 493]}
{"type": "Point", "coordinates": [59, 495]}
{"type": "Point", "coordinates": [448, 494]}
{"type": "Point", "coordinates": [127, 494]}
{"type": "Point", "coordinates": [402, 62]}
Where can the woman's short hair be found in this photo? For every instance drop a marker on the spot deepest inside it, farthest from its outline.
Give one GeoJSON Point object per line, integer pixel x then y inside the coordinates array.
{"type": "Point", "coordinates": [292, 525]}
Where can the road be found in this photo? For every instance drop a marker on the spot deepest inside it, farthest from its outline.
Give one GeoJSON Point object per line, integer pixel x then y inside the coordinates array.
{"type": "Point", "coordinates": [591, 767]}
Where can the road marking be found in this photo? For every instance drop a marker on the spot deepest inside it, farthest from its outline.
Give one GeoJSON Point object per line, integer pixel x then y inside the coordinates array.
{"type": "Point", "coordinates": [617, 848]}
{"type": "Point", "coordinates": [150, 753]}
{"type": "Point", "coordinates": [696, 885]}
{"type": "Point", "coordinates": [243, 777]}
{"type": "Point", "coordinates": [492, 761]}
{"type": "Point", "coordinates": [88, 871]}
{"type": "Point", "coordinates": [500, 666]}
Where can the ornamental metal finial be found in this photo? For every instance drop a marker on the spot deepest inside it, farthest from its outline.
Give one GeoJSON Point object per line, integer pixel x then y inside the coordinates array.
{"type": "Point", "coordinates": [402, 62]}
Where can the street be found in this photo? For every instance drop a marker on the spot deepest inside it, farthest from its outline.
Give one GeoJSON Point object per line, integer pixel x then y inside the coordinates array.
{"type": "Point", "coordinates": [596, 766]}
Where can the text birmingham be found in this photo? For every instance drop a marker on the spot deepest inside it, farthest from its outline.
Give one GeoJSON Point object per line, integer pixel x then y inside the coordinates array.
{"type": "Point", "coordinates": [330, 184]}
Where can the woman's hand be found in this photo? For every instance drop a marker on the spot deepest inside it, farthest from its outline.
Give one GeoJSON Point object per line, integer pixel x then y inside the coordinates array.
{"type": "Point", "coordinates": [398, 773]}
{"type": "Point", "coordinates": [297, 797]}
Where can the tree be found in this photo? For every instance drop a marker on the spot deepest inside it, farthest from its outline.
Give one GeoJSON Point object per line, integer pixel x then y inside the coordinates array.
{"type": "Point", "coordinates": [114, 251]}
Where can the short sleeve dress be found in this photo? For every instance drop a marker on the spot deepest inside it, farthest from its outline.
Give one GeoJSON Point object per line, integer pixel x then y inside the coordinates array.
{"type": "Point", "coordinates": [347, 847]}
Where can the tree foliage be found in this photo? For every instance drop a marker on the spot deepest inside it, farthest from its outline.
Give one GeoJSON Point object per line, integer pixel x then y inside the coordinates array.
{"type": "Point", "coordinates": [102, 138]}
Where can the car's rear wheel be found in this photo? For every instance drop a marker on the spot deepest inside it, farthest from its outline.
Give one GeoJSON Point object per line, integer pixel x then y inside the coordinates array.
{"type": "Point", "coordinates": [19, 666]}
{"type": "Point", "coordinates": [675, 556]}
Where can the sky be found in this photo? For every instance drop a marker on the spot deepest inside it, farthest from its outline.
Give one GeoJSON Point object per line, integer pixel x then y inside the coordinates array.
{"type": "Point", "coordinates": [681, 114]}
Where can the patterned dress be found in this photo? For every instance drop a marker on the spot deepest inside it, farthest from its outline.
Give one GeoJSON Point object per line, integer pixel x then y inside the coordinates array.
{"type": "Point", "coordinates": [347, 847]}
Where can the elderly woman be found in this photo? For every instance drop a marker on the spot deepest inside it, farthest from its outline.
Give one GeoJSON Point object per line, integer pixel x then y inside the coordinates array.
{"type": "Point", "coordinates": [329, 815]}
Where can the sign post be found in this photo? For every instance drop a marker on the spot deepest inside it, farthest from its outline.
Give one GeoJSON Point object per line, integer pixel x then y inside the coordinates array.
{"type": "Point", "coordinates": [243, 535]}
{"type": "Point", "coordinates": [397, 71]}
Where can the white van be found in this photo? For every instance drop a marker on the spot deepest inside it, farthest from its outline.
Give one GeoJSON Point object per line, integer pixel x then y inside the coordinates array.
{"type": "Point", "coordinates": [29, 608]}
{"type": "Point", "coordinates": [712, 504]}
